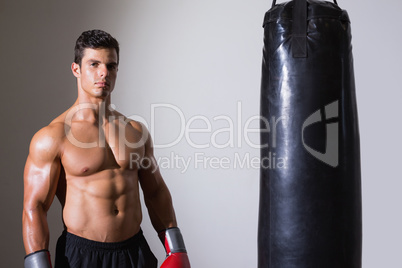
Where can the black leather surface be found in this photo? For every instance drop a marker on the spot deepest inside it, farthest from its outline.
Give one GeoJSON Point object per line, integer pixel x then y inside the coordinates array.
{"type": "Point", "coordinates": [310, 185]}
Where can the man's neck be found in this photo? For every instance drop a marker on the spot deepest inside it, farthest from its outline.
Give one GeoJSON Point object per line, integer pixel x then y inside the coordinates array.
{"type": "Point", "coordinates": [93, 110]}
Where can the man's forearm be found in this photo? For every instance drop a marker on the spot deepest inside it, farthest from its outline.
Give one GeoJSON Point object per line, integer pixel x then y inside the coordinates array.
{"type": "Point", "coordinates": [160, 209]}
{"type": "Point", "coordinates": [35, 230]}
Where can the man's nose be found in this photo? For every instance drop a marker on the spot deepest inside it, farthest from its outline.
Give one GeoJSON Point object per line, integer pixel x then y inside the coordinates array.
{"type": "Point", "coordinates": [103, 71]}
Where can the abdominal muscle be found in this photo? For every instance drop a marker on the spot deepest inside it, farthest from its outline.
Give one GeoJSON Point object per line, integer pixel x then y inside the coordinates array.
{"type": "Point", "coordinates": [104, 206]}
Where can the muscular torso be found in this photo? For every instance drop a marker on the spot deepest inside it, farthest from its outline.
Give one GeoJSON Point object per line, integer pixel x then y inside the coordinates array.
{"type": "Point", "coordinates": [101, 195]}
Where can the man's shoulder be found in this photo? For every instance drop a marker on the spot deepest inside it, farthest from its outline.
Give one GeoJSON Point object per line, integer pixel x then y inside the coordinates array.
{"type": "Point", "coordinates": [141, 128]}
{"type": "Point", "coordinates": [48, 140]}
{"type": "Point", "coordinates": [54, 130]}
{"type": "Point", "coordinates": [137, 125]}
{"type": "Point", "coordinates": [143, 131]}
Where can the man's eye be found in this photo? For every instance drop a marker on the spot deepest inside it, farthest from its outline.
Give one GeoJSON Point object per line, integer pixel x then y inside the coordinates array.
{"type": "Point", "coordinates": [94, 64]}
{"type": "Point", "coordinates": [112, 67]}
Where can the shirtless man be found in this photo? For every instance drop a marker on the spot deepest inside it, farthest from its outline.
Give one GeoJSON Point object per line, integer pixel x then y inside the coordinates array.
{"type": "Point", "coordinates": [85, 158]}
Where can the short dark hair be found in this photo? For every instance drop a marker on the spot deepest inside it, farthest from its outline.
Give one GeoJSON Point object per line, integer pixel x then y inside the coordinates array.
{"type": "Point", "coordinates": [94, 39]}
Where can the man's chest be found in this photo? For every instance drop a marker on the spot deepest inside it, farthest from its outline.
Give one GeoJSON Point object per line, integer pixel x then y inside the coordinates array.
{"type": "Point", "coordinates": [90, 148]}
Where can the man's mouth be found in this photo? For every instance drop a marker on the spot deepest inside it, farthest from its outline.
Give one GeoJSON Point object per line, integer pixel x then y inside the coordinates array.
{"type": "Point", "coordinates": [102, 84]}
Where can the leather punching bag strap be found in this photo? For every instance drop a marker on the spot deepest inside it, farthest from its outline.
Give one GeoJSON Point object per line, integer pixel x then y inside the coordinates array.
{"type": "Point", "coordinates": [299, 29]}
{"type": "Point", "coordinates": [274, 3]}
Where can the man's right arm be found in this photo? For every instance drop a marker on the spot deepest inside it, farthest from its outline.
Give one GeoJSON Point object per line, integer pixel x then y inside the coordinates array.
{"type": "Point", "coordinates": [41, 174]}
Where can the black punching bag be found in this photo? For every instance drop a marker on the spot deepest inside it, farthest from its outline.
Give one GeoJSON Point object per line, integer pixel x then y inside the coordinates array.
{"type": "Point", "coordinates": [310, 188]}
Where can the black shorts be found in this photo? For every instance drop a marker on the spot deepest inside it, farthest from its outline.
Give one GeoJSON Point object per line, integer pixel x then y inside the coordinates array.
{"type": "Point", "coordinates": [75, 252]}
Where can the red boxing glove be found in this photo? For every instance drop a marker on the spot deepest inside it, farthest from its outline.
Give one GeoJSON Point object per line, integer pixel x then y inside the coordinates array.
{"type": "Point", "coordinates": [176, 254]}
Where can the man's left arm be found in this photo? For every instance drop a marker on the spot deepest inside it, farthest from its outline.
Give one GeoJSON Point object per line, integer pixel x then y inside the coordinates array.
{"type": "Point", "coordinates": [160, 208]}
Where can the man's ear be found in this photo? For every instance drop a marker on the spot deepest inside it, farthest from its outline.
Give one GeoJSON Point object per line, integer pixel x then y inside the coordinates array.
{"type": "Point", "coordinates": [75, 68]}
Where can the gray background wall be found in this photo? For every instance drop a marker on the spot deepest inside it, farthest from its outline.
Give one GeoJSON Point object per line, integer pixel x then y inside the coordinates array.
{"type": "Point", "coordinates": [204, 58]}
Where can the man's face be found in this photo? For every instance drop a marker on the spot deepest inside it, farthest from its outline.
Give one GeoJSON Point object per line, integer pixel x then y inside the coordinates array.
{"type": "Point", "coordinates": [98, 71]}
